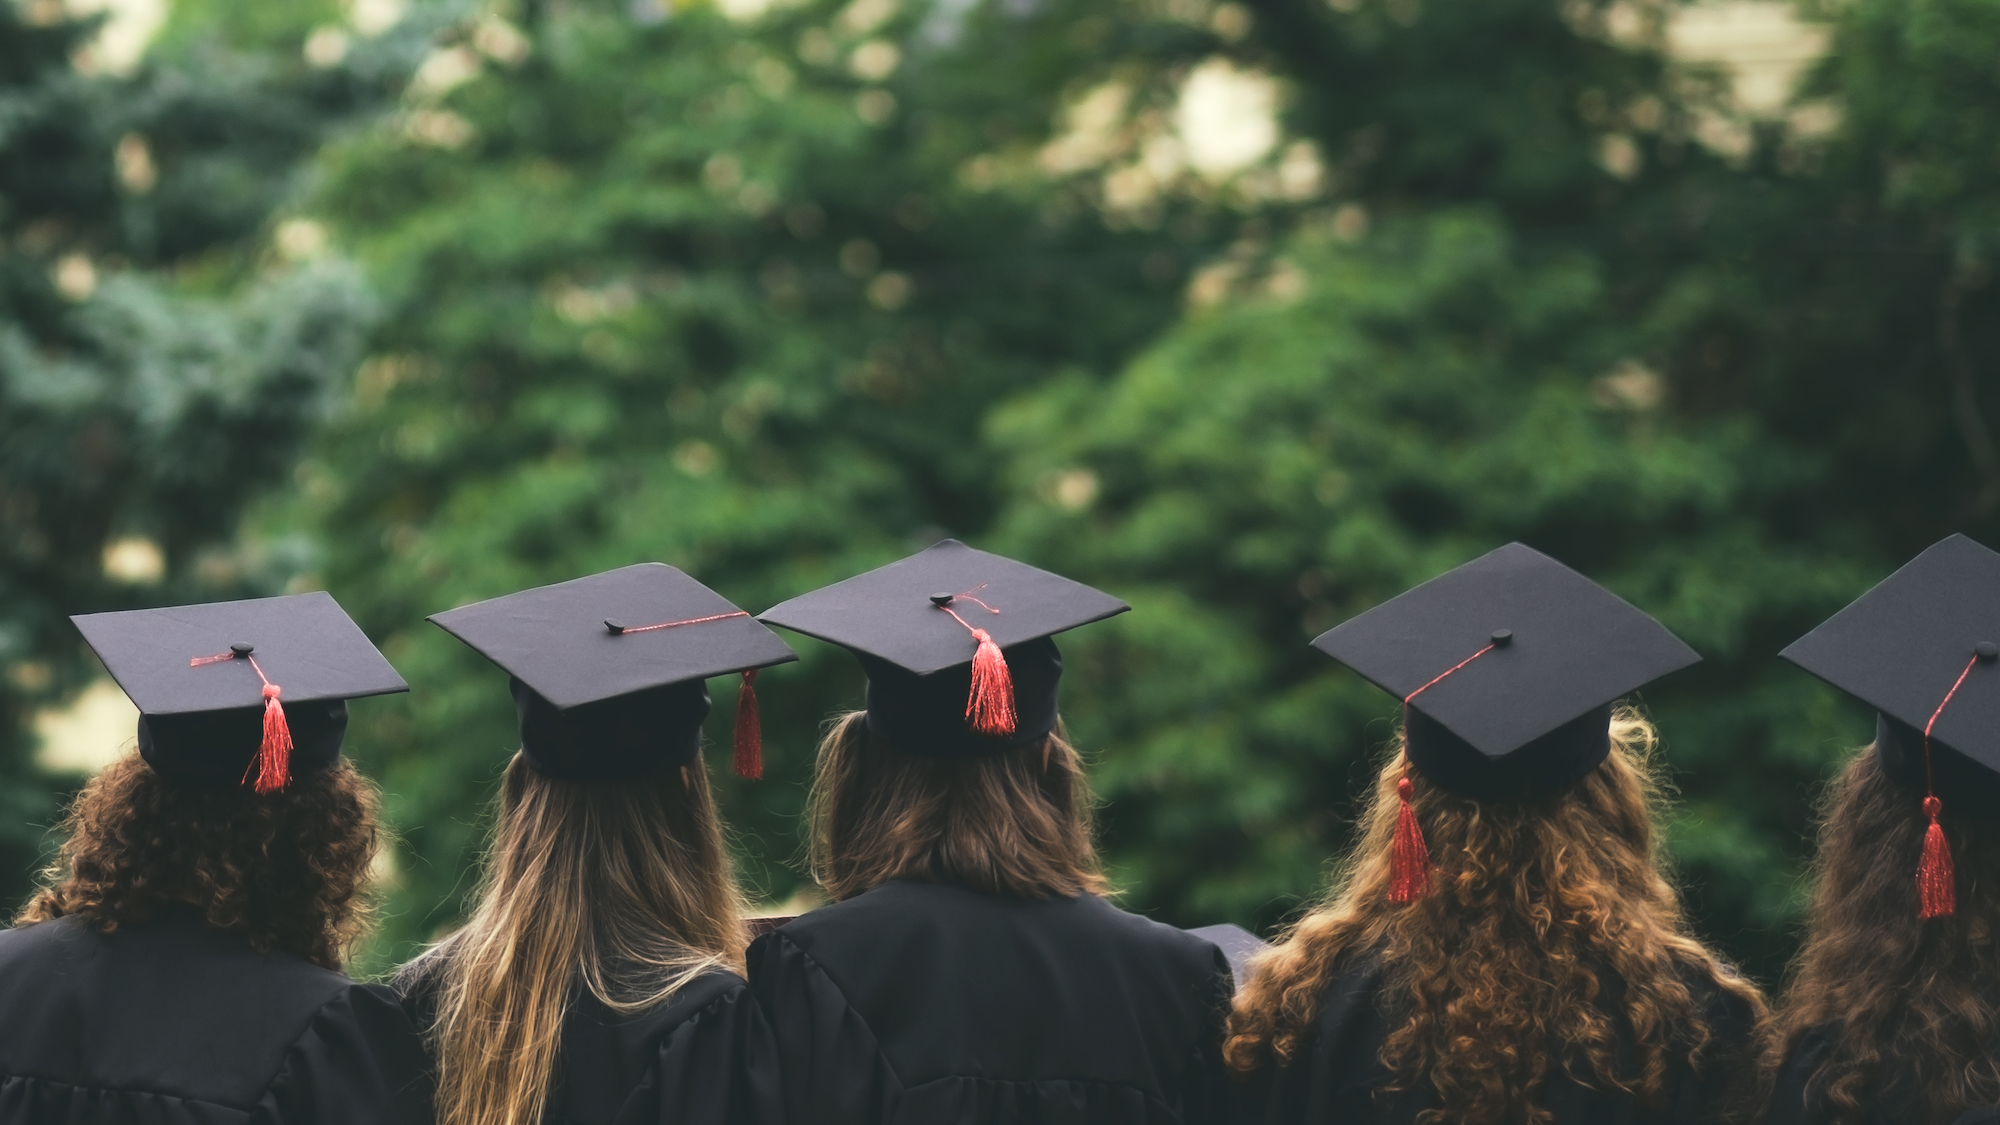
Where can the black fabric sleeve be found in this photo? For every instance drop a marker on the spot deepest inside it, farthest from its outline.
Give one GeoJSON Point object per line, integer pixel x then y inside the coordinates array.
{"type": "Point", "coordinates": [1788, 1104]}
{"type": "Point", "coordinates": [832, 1069]}
{"type": "Point", "coordinates": [1722, 1090]}
{"type": "Point", "coordinates": [1209, 1091]}
{"type": "Point", "coordinates": [718, 1067]}
{"type": "Point", "coordinates": [1335, 1070]}
{"type": "Point", "coordinates": [360, 1059]}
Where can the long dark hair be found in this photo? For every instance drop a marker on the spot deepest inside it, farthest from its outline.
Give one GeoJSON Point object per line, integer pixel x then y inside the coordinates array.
{"type": "Point", "coordinates": [1495, 975]}
{"type": "Point", "coordinates": [287, 869]}
{"type": "Point", "coordinates": [1912, 1007]}
{"type": "Point", "coordinates": [1015, 823]}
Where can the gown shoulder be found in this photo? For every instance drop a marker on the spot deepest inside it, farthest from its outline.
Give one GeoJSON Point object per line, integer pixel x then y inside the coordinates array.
{"type": "Point", "coordinates": [935, 1003]}
{"type": "Point", "coordinates": [704, 1054]}
{"type": "Point", "coordinates": [173, 1021]}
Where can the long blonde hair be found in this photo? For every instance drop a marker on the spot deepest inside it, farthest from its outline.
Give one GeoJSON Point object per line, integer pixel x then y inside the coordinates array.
{"type": "Point", "coordinates": [1017, 822]}
{"type": "Point", "coordinates": [1494, 977]}
{"type": "Point", "coordinates": [623, 888]}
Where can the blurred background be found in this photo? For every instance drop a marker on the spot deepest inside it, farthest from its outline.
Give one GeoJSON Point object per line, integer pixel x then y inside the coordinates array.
{"type": "Point", "coordinates": [1253, 313]}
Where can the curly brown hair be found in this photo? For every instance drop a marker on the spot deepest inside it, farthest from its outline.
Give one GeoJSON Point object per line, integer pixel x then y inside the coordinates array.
{"type": "Point", "coordinates": [287, 869]}
{"type": "Point", "coordinates": [1911, 1005]}
{"type": "Point", "coordinates": [1017, 822]}
{"type": "Point", "coordinates": [1496, 975]}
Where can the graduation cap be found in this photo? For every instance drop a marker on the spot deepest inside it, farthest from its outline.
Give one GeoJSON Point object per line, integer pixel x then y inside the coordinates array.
{"type": "Point", "coordinates": [1507, 668]}
{"type": "Point", "coordinates": [244, 692]}
{"type": "Point", "coordinates": [608, 672]}
{"type": "Point", "coordinates": [956, 643]}
{"type": "Point", "coordinates": [1923, 649]}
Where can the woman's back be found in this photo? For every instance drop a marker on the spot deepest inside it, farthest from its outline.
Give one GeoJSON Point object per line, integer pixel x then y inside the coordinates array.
{"type": "Point", "coordinates": [597, 978]}
{"type": "Point", "coordinates": [970, 970]}
{"type": "Point", "coordinates": [1504, 944]}
{"type": "Point", "coordinates": [959, 1006]}
{"type": "Point", "coordinates": [173, 1020]}
{"type": "Point", "coordinates": [686, 1058]}
{"type": "Point", "coordinates": [1338, 1071]}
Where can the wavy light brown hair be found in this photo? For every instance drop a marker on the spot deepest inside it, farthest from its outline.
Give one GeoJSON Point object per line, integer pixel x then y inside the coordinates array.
{"type": "Point", "coordinates": [1913, 1005]}
{"type": "Point", "coordinates": [621, 887]}
{"type": "Point", "coordinates": [287, 869]}
{"type": "Point", "coordinates": [1492, 980]}
{"type": "Point", "coordinates": [1014, 823]}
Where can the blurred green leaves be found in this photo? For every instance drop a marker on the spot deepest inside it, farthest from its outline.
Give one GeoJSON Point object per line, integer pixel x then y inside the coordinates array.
{"type": "Point", "coordinates": [157, 369]}
{"type": "Point", "coordinates": [777, 296]}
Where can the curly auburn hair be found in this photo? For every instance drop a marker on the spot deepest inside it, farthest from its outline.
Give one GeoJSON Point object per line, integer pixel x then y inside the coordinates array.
{"type": "Point", "coordinates": [1017, 822]}
{"type": "Point", "coordinates": [1912, 1005]}
{"type": "Point", "coordinates": [1496, 975]}
{"type": "Point", "coordinates": [287, 869]}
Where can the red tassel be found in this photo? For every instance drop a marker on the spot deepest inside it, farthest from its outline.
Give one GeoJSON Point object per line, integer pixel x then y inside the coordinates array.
{"type": "Point", "coordinates": [1936, 884]}
{"type": "Point", "coordinates": [749, 735]}
{"type": "Point", "coordinates": [989, 710]}
{"type": "Point", "coordinates": [1409, 857]}
{"type": "Point", "coordinates": [274, 754]}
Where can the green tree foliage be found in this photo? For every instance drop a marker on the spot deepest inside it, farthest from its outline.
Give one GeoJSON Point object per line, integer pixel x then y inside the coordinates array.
{"type": "Point", "coordinates": [778, 297]}
{"type": "Point", "coordinates": [735, 297]}
{"type": "Point", "coordinates": [1737, 389]}
{"type": "Point", "coordinates": [155, 372]}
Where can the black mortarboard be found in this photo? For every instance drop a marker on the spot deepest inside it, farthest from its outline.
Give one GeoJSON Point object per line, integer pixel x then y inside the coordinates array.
{"type": "Point", "coordinates": [1508, 667]}
{"type": "Point", "coordinates": [956, 644]}
{"type": "Point", "coordinates": [199, 676]}
{"type": "Point", "coordinates": [1928, 632]}
{"type": "Point", "coordinates": [608, 670]}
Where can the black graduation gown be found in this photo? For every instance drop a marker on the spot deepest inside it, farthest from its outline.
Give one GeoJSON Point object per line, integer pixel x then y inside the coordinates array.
{"type": "Point", "coordinates": [1339, 1067]}
{"type": "Point", "coordinates": [1789, 1105]}
{"type": "Point", "coordinates": [705, 1055]}
{"type": "Point", "coordinates": [930, 1003]}
{"type": "Point", "coordinates": [174, 1022]}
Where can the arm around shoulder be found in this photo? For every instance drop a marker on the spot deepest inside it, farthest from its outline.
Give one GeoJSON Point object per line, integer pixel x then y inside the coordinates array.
{"type": "Point", "coordinates": [719, 1066]}
{"type": "Point", "coordinates": [832, 1069]}
{"type": "Point", "coordinates": [360, 1059]}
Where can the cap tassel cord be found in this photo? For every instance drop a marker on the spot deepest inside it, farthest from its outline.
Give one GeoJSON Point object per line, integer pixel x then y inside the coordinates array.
{"type": "Point", "coordinates": [1937, 882]}
{"type": "Point", "coordinates": [1409, 856]}
{"type": "Point", "coordinates": [272, 766]}
{"type": "Point", "coordinates": [620, 630]}
{"type": "Point", "coordinates": [749, 733]}
{"type": "Point", "coordinates": [274, 754]}
{"type": "Point", "coordinates": [747, 739]}
{"type": "Point", "coordinates": [989, 706]}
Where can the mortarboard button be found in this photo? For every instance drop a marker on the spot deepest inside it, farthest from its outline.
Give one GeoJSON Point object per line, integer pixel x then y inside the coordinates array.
{"type": "Point", "coordinates": [240, 691]}
{"type": "Point", "coordinates": [1501, 720]}
{"type": "Point", "coordinates": [1902, 649]}
{"type": "Point", "coordinates": [599, 699]}
{"type": "Point", "coordinates": [1507, 712]}
{"type": "Point", "coordinates": [952, 674]}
